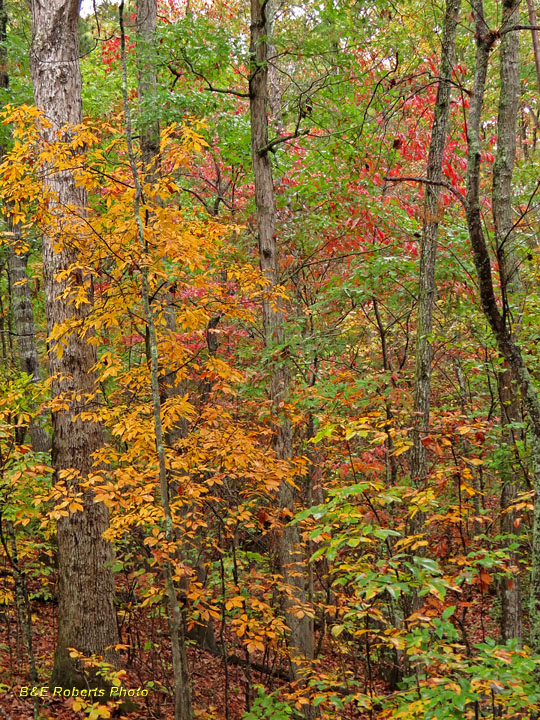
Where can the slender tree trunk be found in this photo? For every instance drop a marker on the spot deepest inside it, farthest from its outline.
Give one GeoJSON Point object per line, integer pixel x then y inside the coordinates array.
{"type": "Point", "coordinates": [510, 586]}
{"type": "Point", "coordinates": [21, 596]}
{"type": "Point", "coordinates": [510, 284]}
{"type": "Point", "coordinates": [3, 330]}
{"type": "Point", "coordinates": [535, 40]}
{"type": "Point", "coordinates": [150, 139]}
{"type": "Point", "coordinates": [149, 128]}
{"type": "Point", "coordinates": [274, 84]}
{"type": "Point", "coordinates": [498, 321]}
{"type": "Point", "coordinates": [23, 316]}
{"type": "Point", "coordinates": [23, 320]}
{"type": "Point", "coordinates": [202, 633]}
{"type": "Point", "coordinates": [427, 282]}
{"type": "Point", "coordinates": [4, 75]}
{"type": "Point", "coordinates": [289, 545]}
{"type": "Point", "coordinates": [182, 692]}
{"type": "Point", "coordinates": [430, 232]}
{"type": "Point", "coordinates": [21, 301]}
{"type": "Point", "coordinates": [87, 619]}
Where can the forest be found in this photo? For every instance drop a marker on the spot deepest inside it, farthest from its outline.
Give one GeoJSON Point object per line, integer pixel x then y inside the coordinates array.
{"type": "Point", "coordinates": [269, 380]}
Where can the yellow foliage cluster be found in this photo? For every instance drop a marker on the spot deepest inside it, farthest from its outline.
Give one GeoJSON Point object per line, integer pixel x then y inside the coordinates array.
{"type": "Point", "coordinates": [198, 285]}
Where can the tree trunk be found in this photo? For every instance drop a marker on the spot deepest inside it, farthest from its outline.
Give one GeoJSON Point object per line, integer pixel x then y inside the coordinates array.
{"type": "Point", "coordinates": [498, 321]}
{"type": "Point", "coordinates": [289, 545]}
{"type": "Point", "coordinates": [202, 633]}
{"type": "Point", "coordinates": [23, 316]}
{"type": "Point", "coordinates": [535, 40]}
{"type": "Point", "coordinates": [23, 320]}
{"type": "Point", "coordinates": [510, 586]}
{"type": "Point", "coordinates": [87, 620]}
{"type": "Point", "coordinates": [430, 232]}
{"type": "Point", "coordinates": [274, 84]}
{"type": "Point", "coordinates": [427, 284]}
{"type": "Point", "coordinates": [182, 690]}
{"type": "Point", "coordinates": [21, 301]}
{"type": "Point", "coordinates": [503, 217]}
{"type": "Point", "coordinates": [4, 75]}
{"type": "Point", "coordinates": [147, 83]}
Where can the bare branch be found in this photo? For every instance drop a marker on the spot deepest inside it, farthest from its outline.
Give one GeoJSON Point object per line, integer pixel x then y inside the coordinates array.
{"type": "Point", "coordinates": [278, 140]}
{"type": "Point", "coordinates": [511, 28]}
{"type": "Point", "coordinates": [426, 181]}
{"type": "Point", "coordinates": [209, 86]}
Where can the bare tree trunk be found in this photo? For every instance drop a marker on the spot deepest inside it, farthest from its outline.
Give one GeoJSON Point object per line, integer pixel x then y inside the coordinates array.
{"type": "Point", "coordinates": [202, 633]}
{"type": "Point", "coordinates": [289, 545]}
{"type": "Point", "coordinates": [23, 317]}
{"type": "Point", "coordinates": [274, 84]}
{"type": "Point", "coordinates": [430, 232]}
{"type": "Point", "coordinates": [150, 139]}
{"type": "Point", "coordinates": [23, 320]}
{"type": "Point", "coordinates": [3, 330]}
{"type": "Point", "coordinates": [21, 596]}
{"type": "Point", "coordinates": [87, 619]}
{"type": "Point", "coordinates": [149, 128]}
{"type": "Point", "coordinates": [4, 75]}
{"type": "Point", "coordinates": [535, 40]}
{"type": "Point", "coordinates": [498, 321]}
{"type": "Point", "coordinates": [503, 170]}
{"type": "Point", "coordinates": [427, 283]}
{"type": "Point", "coordinates": [182, 691]}
{"type": "Point", "coordinates": [21, 301]}
{"type": "Point", "coordinates": [510, 586]}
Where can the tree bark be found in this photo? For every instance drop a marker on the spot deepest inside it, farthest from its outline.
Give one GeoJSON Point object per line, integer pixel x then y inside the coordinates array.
{"type": "Point", "coordinates": [274, 84]}
{"type": "Point", "coordinates": [147, 84]}
{"type": "Point", "coordinates": [510, 586]}
{"type": "Point", "coordinates": [21, 301]}
{"type": "Point", "coordinates": [87, 620]}
{"type": "Point", "coordinates": [503, 217]}
{"type": "Point", "coordinates": [535, 40]}
{"type": "Point", "coordinates": [498, 321]}
{"type": "Point", "coordinates": [4, 75]}
{"type": "Point", "coordinates": [202, 633]}
{"type": "Point", "coordinates": [182, 690]}
{"type": "Point", "coordinates": [428, 256]}
{"type": "Point", "coordinates": [289, 545]}
{"type": "Point", "coordinates": [23, 320]}
{"type": "Point", "coordinates": [23, 316]}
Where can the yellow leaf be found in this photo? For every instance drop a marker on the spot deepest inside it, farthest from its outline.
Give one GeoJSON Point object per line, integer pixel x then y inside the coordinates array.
{"type": "Point", "coordinates": [401, 450]}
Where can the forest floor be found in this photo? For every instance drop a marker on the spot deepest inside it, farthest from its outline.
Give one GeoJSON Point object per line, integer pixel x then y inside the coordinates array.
{"type": "Point", "coordinates": [150, 666]}
{"type": "Point", "coordinates": [147, 659]}
{"type": "Point", "coordinates": [206, 671]}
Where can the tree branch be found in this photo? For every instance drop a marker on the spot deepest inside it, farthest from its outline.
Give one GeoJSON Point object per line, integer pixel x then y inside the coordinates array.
{"type": "Point", "coordinates": [426, 181]}
{"type": "Point", "coordinates": [533, 115]}
{"type": "Point", "coordinates": [210, 87]}
{"type": "Point", "coordinates": [277, 141]}
{"type": "Point", "coordinates": [503, 31]}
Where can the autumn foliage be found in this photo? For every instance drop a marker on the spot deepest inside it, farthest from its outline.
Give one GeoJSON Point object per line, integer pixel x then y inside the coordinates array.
{"type": "Point", "coordinates": [402, 578]}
